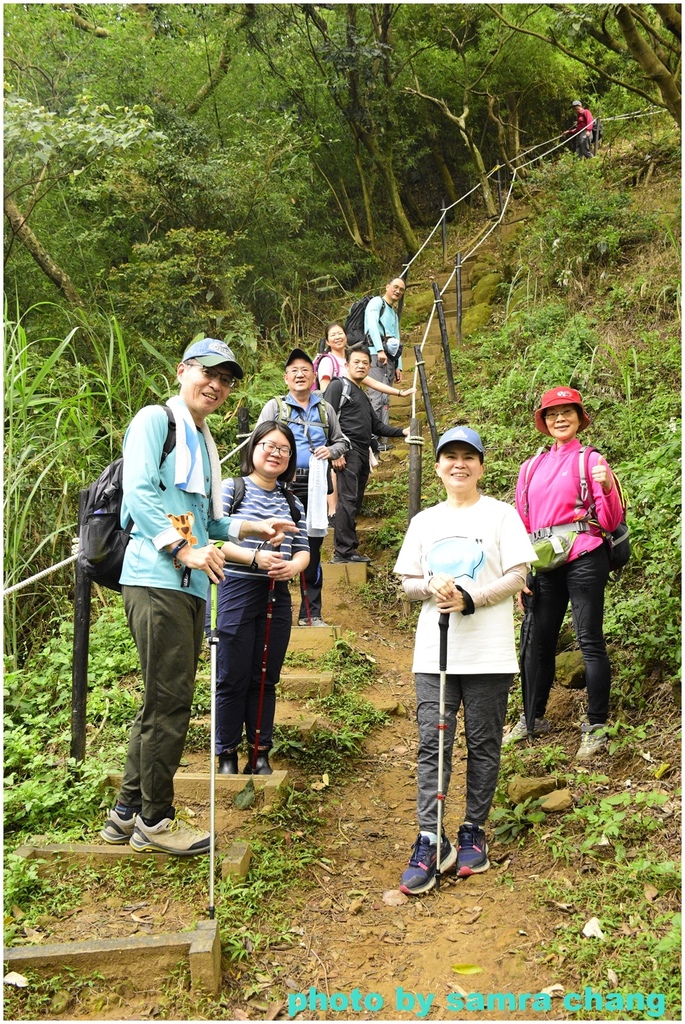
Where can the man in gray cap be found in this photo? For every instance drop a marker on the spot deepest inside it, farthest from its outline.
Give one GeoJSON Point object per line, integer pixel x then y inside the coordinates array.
{"type": "Point", "coordinates": [582, 132]}
{"type": "Point", "coordinates": [174, 503]}
{"type": "Point", "coordinates": [319, 440]}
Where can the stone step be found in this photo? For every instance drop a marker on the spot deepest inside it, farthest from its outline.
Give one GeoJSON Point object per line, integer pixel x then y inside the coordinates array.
{"type": "Point", "coordinates": [313, 640]}
{"type": "Point", "coordinates": [91, 855]}
{"type": "Point", "coordinates": [303, 684]}
{"type": "Point", "coordinates": [290, 715]}
{"type": "Point", "coordinates": [193, 787]}
{"type": "Point", "coordinates": [136, 959]}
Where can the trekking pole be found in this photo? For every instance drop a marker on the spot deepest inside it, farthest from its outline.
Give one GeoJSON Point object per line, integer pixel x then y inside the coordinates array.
{"type": "Point", "coordinates": [271, 597]}
{"type": "Point", "coordinates": [444, 624]}
{"type": "Point", "coordinates": [213, 645]}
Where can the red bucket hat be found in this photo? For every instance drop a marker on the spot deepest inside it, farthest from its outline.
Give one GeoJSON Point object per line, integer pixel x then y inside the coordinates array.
{"type": "Point", "coordinates": [560, 396]}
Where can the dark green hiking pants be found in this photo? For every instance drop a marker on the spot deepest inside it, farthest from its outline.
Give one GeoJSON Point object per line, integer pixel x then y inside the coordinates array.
{"type": "Point", "coordinates": [167, 627]}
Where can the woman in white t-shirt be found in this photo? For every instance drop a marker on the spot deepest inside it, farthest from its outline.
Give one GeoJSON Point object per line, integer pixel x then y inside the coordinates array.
{"type": "Point", "coordinates": [466, 556]}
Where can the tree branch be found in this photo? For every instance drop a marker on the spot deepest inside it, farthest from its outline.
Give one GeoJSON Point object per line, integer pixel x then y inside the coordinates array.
{"type": "Point", "coordinates": [589, 64]}
{"type": "Point", "coordinates": [84, 25]}
{"type": "Point", "coordinates": [24, 234]}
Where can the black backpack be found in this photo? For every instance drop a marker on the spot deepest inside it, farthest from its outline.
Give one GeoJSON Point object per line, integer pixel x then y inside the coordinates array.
{"type": "Point", "coordinates": [239, 494]}
{"type": "Point", "coordinates": [354, 321]}
{"type": "Point", "coordinates": [102, 539]}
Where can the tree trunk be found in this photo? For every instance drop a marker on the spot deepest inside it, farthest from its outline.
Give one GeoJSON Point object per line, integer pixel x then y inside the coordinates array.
{"type": "Point", "coordinates": [366, 195]}
{"type": "Point", "coordinates": [23, 232]}
{"type": "Point", "coordinates": [481, 173]}
{"type": "Point", "coordinates": [653, 68]}
{"type": "Point", "coordinates": [383, 162]}
{"type": "Point", "coordinates": [443, 170]}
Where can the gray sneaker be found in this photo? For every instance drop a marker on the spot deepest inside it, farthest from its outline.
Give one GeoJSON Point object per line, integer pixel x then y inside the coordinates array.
{"type": "Point", "coordinates": [316, 621]}
{"type": "Point", "coordinates": [520, 730]}
{"type": "Point", "coordinates": [593, 738]}
{"type": "Point", "coordinates": [118, 830]}
{"type": "Point", "coordinates": [170, 835]}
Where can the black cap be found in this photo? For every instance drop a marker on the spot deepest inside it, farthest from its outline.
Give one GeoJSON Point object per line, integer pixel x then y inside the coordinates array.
{"type": "Point", "coordinates": [297, 353]}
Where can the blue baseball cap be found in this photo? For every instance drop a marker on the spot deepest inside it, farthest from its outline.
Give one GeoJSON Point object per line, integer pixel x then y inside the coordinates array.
{"type": "Point", "coordinates": [464, 434]}
{"type": "Point", "coordinates": [210, 352]}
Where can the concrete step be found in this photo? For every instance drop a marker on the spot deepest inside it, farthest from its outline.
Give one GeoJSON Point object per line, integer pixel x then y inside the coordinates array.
{"type": "Point", "coordinates": [304, 684]}
{"type": "Point", "coordinates": [192, 788]}
{"type": "Point", "coordinates": [290, 715]}
{"type": "Point", "coordinates": [313, 640]}
{"type": "Point", "coordinates": [136, 959]}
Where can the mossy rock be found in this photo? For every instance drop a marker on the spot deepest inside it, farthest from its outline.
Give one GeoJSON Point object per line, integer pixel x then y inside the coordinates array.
{"type": "Point", "coordinates": [570, 670]}
{"type": "Point", "coordinates": [475, 317]}
{"type": "Point", "coordinates": [486, 289]}
{"type": "Point", "coordinates": [478, 272]}
{"type": "Point", "coordinates": [417, 305]}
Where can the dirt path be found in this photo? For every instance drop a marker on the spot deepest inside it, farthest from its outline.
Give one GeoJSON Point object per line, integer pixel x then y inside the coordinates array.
{"type": "Point", "coordinates": [352, 940]}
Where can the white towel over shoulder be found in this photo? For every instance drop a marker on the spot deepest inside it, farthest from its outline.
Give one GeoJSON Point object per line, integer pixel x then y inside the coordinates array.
{"type": "Point", "coordinates": [189, 470]}
{"type": "Point", "coordinates": [317, 486]}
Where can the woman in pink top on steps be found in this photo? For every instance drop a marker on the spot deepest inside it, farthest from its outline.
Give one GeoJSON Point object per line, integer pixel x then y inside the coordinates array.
{"type": "Point", "coordinates": [548, 494]}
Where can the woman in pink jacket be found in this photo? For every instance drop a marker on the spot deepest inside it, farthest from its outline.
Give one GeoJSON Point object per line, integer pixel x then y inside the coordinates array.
{"type": "Point", "coordinates": [548, 494]}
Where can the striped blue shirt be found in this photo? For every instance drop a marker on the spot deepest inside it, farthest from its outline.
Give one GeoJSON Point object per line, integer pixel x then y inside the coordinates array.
{"type": "Point", "coordinates": [260, 504]}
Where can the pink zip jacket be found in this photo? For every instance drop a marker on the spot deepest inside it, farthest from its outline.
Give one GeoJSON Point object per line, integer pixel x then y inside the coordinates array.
{"type": "Point", "coordinates": [553, 494]}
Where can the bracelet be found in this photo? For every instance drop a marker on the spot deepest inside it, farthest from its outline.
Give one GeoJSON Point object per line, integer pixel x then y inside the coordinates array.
{"type": "Point", "coordinates": [254, 564]}
{"type": "Point", "coordinates": [175, 551]}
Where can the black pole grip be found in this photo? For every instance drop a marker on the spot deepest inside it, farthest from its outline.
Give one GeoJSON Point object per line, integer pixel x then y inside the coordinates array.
{"type": "Point", "coordinates": [444, 625]}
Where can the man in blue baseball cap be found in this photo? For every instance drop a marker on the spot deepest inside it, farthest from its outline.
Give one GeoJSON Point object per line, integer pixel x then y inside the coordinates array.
{"type": "Point", "coordinates": [465, 557]}
{"type": "Point", "coordinates": [173, 502]}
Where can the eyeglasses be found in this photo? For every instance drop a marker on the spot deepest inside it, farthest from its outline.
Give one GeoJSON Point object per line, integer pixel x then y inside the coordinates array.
{"type": "Point", "coordinates": [269, 448]}
{"type": "Point", "coordinates": [211, 373]}
{"type": "Point", "coordinates": [554, 414]}
{"type": "Point", "coordinates": [297, 371]}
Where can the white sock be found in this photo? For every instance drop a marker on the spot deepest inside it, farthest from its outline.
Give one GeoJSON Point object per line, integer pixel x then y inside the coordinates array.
{"type": "Point", "coordinates": [432, 837]}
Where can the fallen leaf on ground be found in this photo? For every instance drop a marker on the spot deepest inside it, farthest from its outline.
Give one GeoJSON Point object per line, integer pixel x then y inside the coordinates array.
{"type": "Point", "coordinates": [613, 978]}
{"type": "Point", "coordinates": [592, 929]}
{"type": "Point", "coordinates": [240, 1015]}
{"type": "Point", "coordinates": [394, 898]}
{"type": "Point", "coordinates": [466, 969]}
{"type": "Point", "coordinates": [273, 1011]}
{"type": "Point", "coordinates": [355, 906]}
{"type": "Point", "coordinates": [555, 991]}
{"type": "Point", "coordinates": [662, 770]}
{"type": "Point", "coordinates": [650, 893]}
{"type": "Point", "coordinates": [244, 799]}
{"type": "Point", "coordinates": [457, 988]}
{"type": "Point", "coordinates": [13, 978]}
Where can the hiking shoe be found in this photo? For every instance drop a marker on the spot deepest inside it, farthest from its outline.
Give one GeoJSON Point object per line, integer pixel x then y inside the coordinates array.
{"type": "Point", "coordinates": [170, 835]}
{"type": "Point", "coordinates": [355, 557]}
{"type": "Point", "coordinates": [118, 830]}
{"type": "Point", "coordinates": [472, 853]}
{"type": "Point", "coordinates": [520, 730]}
{"type": "Point", "coordinates": [420, 875]}
{"type": "Point", "coordinates": [592, 739]}
{"type": "Point", "coordinates": [316, 621]}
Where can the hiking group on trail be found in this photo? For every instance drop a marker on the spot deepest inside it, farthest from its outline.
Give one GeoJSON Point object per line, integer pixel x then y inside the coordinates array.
{"type": "Point", "coordinates": [464, 559]}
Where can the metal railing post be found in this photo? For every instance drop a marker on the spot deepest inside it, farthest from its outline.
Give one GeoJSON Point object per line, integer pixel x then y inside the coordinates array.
{"type": "Point", "coordinates": [444, 231]}
{"type": "Point", "coordinates": [445, 343]}
{"type": "Point", "coordinates": [415, 464]}
{"type": "Point", "coordinates": [79, 664]}
{"type": "Point", "coordinates": [421, 367]}
{"type": "Point", "coordinates": [457, 278]}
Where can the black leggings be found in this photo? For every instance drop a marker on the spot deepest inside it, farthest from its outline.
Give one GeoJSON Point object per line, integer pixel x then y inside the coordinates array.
{"type": "Point", "coordinates": [583, 581]}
